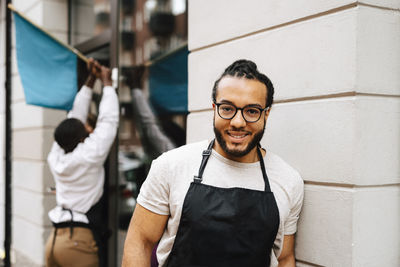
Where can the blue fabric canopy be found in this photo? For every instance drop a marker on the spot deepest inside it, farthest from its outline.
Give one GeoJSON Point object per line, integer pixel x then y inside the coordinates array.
{"type": "Point", "coordinates": [47, 69]}
{"type": "Point", "coordinates": [168, 83]}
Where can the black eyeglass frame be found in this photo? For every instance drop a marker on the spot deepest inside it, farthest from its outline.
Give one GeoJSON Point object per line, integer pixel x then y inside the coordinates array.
{"type": "Point", "coordinates": [241, 111]}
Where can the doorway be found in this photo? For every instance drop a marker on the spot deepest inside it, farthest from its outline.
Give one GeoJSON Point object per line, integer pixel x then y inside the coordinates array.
{"type": "Point", "coordinates": [127, 35]}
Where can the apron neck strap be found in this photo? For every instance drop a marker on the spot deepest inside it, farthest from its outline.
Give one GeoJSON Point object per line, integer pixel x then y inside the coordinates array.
{"type": "Point", "coordinates": [267, 188]}
{"type": "Point", "coordinates": [206, 156]}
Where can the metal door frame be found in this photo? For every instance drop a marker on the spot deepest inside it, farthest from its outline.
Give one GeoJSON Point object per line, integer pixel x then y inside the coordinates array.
{"type": "Point", "coordinates": [109, 37]}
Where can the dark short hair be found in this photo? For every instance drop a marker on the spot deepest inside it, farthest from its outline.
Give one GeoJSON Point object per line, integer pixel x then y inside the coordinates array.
{"type": "Point", "coordinates": [69, 133]}
{"type": "Point", "coordinates": [247, 69]}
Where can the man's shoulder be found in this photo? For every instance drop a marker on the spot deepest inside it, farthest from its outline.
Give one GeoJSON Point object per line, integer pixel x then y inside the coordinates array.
{"type": "Point", "coordinates": [285, 171]}
{"type": "Point", "coordinates": [178, 161]}
{"type": "Point", "coordinates": [195, 148]}
{"type": "Point", "coordinates": [183, 153]}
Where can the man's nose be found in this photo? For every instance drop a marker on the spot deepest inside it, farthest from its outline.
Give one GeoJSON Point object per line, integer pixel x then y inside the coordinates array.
{"type": "Point", "coordinates": [238, 120]}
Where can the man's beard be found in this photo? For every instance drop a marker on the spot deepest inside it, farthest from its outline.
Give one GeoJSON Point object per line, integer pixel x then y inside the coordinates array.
{"type": "Point", "coordinates": [236, 152]}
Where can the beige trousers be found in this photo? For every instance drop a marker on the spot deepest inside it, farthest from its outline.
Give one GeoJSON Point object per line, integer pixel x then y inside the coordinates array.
{"type": "Point", "coordinates": [80, 250]}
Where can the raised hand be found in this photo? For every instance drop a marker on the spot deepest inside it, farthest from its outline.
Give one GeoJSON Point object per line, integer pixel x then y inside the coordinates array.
{"type": "Point", "coordinates": [134, 76]}
{"type": "Point", "coordinates": [105, 76]}
{"type": "Point", "coordinates": [94, 68]}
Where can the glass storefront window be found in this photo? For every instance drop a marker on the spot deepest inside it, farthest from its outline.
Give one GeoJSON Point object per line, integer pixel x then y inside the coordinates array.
{"type": "Point", "coordinates": [150, 28]}
{"type": "Point", "coordinates": [153, 43]}
{"type": "Point", "coordinates": [88, 19]}
{"type": "Point", "coordinates": [153, 40]}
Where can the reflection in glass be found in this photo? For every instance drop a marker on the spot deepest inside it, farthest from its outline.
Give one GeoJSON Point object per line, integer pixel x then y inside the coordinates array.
{"type": "Point", "coordinates": [88, 19]}
{"type": "Point", "coordinates": [149, 30]}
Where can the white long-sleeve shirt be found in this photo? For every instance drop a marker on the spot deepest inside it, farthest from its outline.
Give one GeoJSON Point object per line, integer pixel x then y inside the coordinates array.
{"type": "Point", "coordinates": [79, 175]}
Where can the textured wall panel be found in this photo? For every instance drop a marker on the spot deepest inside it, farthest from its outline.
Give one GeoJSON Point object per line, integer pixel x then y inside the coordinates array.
{"type": "Point", "coordinates": [32, 144]}
{"type": "Point", "coordinates": [326, 226]}
{"type": "Point", "coordinates": [199, 126]}
{"type": "Point", "coordinates": [55, 15]}
{"type": "Point", "coordinates": [38, 116]}
{"type": "Point", "coordinates": [32, 175]}
{"type": "Point", "coordinates": [383, 3]}
{"type": "Point", "coordinates": [36, 211]}
{"type": "Point", "coordinates": [29, 239]}
{"type": "Point", "coordinates": [376, 226]}
{"type": "Point", "coordinates": [378, 51]}
{"type": "Point", "coordinates": [215, 21]}
{"type": "Point", "coordinates": [377, 140]}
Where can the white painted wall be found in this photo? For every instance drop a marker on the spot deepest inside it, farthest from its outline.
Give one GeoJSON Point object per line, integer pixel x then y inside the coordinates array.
{"type": "Point", "coordinates": [335, 66]}
{"type": "Point", "coordinates": [32, 137]}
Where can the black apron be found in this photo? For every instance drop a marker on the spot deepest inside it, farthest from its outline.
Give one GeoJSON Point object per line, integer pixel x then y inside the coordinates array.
{"type": "Point", "coordinates": [97, 216]}
{"type": "Point", "coordinates": [96, 224]}
{"type": "Point", "coordinates": [225, 226]}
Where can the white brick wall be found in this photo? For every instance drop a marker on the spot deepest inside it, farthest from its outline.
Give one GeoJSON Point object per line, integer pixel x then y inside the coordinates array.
{"type": "Point", "coordinates": [325, 228]}
{"type": "Point", "coordinates": [224, 19]}
{"type": "Point", "coordinates": [213, 22]}
{"type": "Point", "coordinates": [378, 53]}
{"type": "Point", "coordinates": [376, 226]}
{"type": "Point", "coordinates": [32, 137]}
{"type": "Point", "coordinates": [28, 240]}
{"type": "Point", "coordinates": [335, 66]}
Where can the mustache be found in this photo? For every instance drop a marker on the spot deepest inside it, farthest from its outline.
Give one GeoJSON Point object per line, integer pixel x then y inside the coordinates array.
{"type": "Point", "coordinates": [234, 129]}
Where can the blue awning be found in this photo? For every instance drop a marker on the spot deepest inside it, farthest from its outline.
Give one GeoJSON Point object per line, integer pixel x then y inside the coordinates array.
{"type": "Point", "coordinates": [168, 81]}
{"type": "Point", "coordinates": [47, 69]}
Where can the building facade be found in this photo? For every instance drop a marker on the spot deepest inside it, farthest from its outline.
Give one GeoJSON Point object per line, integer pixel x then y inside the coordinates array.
{"type": "Point", "coordinates": [335, 66]}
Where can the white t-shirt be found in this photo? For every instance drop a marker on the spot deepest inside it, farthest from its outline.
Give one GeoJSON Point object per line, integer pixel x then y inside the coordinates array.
{"type": "Point", "coordinates": [170, 176]}
{"type": "Point", "coordinates": [79, 175]}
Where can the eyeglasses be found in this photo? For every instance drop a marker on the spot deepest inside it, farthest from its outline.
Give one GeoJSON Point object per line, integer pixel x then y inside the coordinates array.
{"type": "Point", "coordinates": [249, 113]}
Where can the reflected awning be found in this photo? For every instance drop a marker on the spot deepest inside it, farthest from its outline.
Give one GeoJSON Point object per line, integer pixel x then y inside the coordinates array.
{"type": "Point", "coordinates": [168, 81]}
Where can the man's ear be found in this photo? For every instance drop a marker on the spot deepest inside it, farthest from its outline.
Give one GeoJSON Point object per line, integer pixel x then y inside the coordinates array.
{"type": "Point", "coordinates": [267, 114]}
{"type": "Point", "coordinates": [213, 105]}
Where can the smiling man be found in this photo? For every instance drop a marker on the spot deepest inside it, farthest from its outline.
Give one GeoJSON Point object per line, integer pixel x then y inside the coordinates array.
{"type": "Point", "coordinates": [227, 202]}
